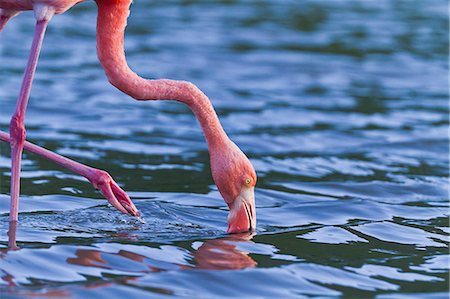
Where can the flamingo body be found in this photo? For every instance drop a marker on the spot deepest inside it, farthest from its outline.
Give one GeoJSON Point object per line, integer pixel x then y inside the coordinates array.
{"type": "Point", "coordinates": [59, 6]}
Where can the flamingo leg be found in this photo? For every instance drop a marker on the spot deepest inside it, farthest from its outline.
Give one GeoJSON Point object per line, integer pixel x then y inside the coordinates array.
{"type": "Point", "coordinates": [12, 244]}
{"type": "Point", "coordinates": [5, 16]}
{"type": "Point", "coordinates": [17, 127]}
{"type": "Point", "coordinates": [99, 178]}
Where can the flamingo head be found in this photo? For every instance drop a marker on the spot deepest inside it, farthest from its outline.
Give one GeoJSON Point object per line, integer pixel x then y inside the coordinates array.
{"type": "Point", "coordinates": [235, 178]}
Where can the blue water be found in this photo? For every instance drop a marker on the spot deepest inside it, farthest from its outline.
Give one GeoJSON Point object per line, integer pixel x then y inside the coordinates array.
{"type": "Point", "coordinates": [342, 106]}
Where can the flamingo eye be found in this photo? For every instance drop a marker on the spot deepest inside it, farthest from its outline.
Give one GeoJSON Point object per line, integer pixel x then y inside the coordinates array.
{"type": "Point", "coordinates": [248, 181]}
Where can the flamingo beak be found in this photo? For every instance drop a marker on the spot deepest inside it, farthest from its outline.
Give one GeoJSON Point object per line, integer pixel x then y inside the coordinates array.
{"type": "Point", "coordinates": [242, 217]}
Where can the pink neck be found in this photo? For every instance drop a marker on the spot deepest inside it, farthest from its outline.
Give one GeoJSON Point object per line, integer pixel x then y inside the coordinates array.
{"type": "Point", "coordinates": [111, 23]}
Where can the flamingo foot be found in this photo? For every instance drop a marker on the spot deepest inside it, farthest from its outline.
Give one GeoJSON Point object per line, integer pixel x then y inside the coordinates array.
{"type": "Point", "coordinates": [113, 193]}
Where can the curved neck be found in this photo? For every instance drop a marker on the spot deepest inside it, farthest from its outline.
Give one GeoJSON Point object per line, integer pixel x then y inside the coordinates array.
{"type": "Point", "coordinates": [111, 23]}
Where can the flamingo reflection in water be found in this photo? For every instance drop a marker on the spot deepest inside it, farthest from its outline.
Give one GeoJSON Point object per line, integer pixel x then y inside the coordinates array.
{"type": "Point", "coordinates": [213, 254]}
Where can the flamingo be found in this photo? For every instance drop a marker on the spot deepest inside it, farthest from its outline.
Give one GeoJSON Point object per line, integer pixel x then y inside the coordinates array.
{"type": "Point", "coordinates": [232, 171]}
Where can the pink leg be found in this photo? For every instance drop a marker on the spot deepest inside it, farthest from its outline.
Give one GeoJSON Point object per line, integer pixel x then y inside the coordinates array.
{"type": "Point", "coordinates": [4, 18]}
{"type": "Point", "coordinates": [99, 178]}
{"type": "Point", "coordinates": [16, 127]}
{"type": "Point", "coordinates": [12, 235]}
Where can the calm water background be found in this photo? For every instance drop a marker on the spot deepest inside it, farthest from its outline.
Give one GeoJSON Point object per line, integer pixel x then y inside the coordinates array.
{"type": "Point", "coordinates": [341, 106]}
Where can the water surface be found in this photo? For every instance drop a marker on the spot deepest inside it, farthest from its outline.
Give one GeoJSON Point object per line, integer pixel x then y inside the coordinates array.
{"type": "Point", "coordinates": [341, 106]}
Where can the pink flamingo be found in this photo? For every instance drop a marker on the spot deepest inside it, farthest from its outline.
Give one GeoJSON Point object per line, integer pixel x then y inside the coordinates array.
{"type": "Point", "coordinates": [231, 170]}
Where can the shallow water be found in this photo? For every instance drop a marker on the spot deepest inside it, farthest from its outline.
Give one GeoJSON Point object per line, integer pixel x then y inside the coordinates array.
{"type": "Point", "coordinates": [341, 106]}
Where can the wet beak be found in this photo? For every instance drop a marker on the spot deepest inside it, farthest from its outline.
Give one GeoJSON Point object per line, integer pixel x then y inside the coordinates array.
{"type": "Point", "coordinates": [242, 217]}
